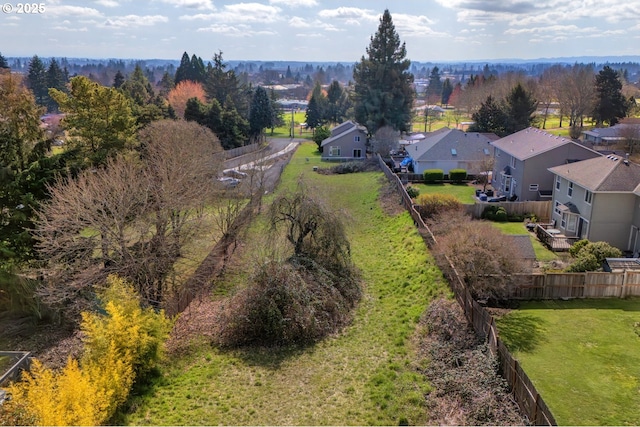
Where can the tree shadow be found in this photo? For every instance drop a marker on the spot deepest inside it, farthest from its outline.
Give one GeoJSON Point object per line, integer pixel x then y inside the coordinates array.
{"type": "Point", "coordinates": [269, 357]}
{"type": "Point", "coordinates": [521, 331]}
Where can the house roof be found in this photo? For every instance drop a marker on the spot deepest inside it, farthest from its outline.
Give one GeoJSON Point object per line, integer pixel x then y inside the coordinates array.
{"type": "Point", "coordinates": [344, 129]}
{"type": "Point", "coordinates": [523, 244]}
{"type": "Point", "coordinates": [452, 144]}
{"type": "Point", "coordinates": [612, 133]}
{"type": "Point", "coordinates": [606, 173]}
{"type": "Point", "coordinates": [530, 142]}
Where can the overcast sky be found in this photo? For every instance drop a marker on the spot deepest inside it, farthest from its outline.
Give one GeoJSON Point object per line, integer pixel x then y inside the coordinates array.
{"type": "Point", "coordinates": [321, 30]}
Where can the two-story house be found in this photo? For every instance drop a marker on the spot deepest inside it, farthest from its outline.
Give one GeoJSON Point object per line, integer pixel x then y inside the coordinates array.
{"type": "Point", "coordinates": [597, 199]}
{"type": "Point", "coordinates": [522, 161]}
{"type": "Point", "coordinates": [348, 141]}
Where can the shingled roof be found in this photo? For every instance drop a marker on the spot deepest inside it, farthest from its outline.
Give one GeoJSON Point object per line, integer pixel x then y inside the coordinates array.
{"type": "Point", "coordinates": [466, 145]}
{"type": "Point", "coordinates": [610, 173]}
{"type": "Point", "coordinates": [530, 142]}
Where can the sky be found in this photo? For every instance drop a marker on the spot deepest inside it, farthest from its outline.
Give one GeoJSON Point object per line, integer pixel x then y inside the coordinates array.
{"type": "Point", "coordinates": [320, 30]}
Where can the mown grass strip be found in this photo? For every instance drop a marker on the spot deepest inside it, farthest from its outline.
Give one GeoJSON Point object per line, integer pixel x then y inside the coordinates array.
{"type": "Point", "coordinates": [464, 193]}
{"type": "Point", "coordinates": [364, 375]}
{"type": "Point", "coordinates": [582, 355]}
{"type": "Point", "coordinates": [516, 228]}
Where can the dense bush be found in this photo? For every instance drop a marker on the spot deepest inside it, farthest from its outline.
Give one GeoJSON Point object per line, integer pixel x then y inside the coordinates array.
{"type": "Point", "coordinates": [433, 175]}
{"type": "Point", "coordinates": [121, 345]}
{"type": "Point", "coordinates": [589, 256]}
{"type": "Point", "coordinates": [292, 302]}
{"type": "Point", "coordinates": [457, 175]}
{"type": "Point", "coordinates": [467, 389]}
{"type": "Point", "coordinates": [413, 192]}
{"type": "Point", "coordinates": [433, 204]}
{"type": "Point", "coordinates": [350, 167]}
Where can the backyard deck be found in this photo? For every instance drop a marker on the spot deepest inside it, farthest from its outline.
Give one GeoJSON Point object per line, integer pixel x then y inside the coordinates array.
{"type": "Point", "coordinates": [553, 238]}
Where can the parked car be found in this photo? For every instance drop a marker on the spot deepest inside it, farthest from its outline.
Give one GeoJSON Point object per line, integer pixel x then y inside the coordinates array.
{"type": "Point", "coordinates": [229, 182]}
{"type": "Point", "coordinates": [234, 173]}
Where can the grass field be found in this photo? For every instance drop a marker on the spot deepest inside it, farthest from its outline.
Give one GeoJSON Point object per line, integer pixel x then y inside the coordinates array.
{"type": "Point", "coordinates": [364, 375]}
{"type": "Point", "coordinates": [583, 357]}
{"type": "Point", "coordinates": [464, 193]}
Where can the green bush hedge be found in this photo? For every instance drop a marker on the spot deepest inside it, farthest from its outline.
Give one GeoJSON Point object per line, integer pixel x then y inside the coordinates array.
{"type": "Point", "coordinates": [457, 175]}
{"type": "Point", "coordinates": [433, 175]}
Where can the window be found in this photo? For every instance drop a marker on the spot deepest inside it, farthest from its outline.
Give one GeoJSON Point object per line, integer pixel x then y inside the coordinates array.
{"type": "Point", "coordinates": [556, 208]}
{"type": "Point", "coordinates": [557, 182]}
{"type": "Point", "coordinates": [454, 152]}
{"type": "Point", "coordinates": [570, 189]}
{"type": "Point", "coordinates": [533, 187]}
{"type": "Point", "coordinates": [513, 162]}
{"type": "Point", "coordinates": [356, 138]}
{"type": "Point", "coordinates": [334, 151]}
{"type": "Point", "coordinates": [357, 153]}
{"type": "Point", "coordinates": [572, 221]}
{"type": "Point", "coordinates": [588, 195]}
{"type": "Point", "coordinates": [486, 151]}
{"type": "Point", "coordinates": [563, 223]}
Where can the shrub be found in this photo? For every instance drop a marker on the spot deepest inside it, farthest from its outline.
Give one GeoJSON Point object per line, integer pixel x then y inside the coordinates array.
{"type": "Point", "coordinates": [413, 192]}
{"type": "Point", "coordinates": [292, 302]}
{"type": "Point", "coordinates": [501, 215]}
{"type": "Point", "coordinates": [120, 344]}
{"type": "Point", "coordinates": [433, 175]}
{"type": "Point", "coordinates": [430, 205]}
{"type": "Point", "coordinates": [457, 175]}
{"type": "Point", "coordinates": [590, 255]}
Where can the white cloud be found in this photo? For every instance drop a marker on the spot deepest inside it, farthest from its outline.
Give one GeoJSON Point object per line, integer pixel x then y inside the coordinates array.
{"type": "Point", "coordinates": [414, 25]}
{"type": "Point", "coordinates": [71, 29]}
{"type": "Point", "coordinates": [107, 3]}
{"type": "Point", "coordinates": [72, 11]}
{"type": "Point", "coordinates": [295, 3]}
{"type": "Point", "coordinates": [241, 13]}
{"type": "Point", "coordinates": [311, 35]}
{"type": "Point", "coordinates": [240, 30]}
{"type": "Point", "coordinates": [132, 21]}
{"type": "Point", "coordinates": [191, 4]}
{"type": "Point", "coordinates": [349, 13]}
{"type": "Point", "coordinates": [297, 22]}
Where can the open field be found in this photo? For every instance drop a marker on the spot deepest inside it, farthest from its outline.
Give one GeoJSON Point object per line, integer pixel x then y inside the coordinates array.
{"type": "Point", "coordinates": [582, 355]}
{"type": "Point", "coordinates": [363, 375]}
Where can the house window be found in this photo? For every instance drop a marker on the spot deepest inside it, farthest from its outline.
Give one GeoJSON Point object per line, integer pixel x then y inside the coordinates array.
{"type": "Point", "coordinates": [570, 189]}
{"type": "Point", "coordinates": [557, 182]}
{"type": "Point", "coordinates": [486, 151]}
{"type": "Point", "coordinates": [572, 221]}
{"type": "Point", "coordinates": [356, 138]}
{"type": "Point", "coordinates": [513, 162]}
{"type": "Point", "coordinates": [454, 152]}
{"type": "Point", "coordinates": [533, 187]}
{"type": "Point", "coordinates": [563, 222]}
{"type": "Point", "coordinates": [588, 195]}
{"type": "Point", "coordinates": [334, 151]}
{"type": "Point", "coordinates": [556, 208]}
{"type": "Point", "coordinates": [357, 153]}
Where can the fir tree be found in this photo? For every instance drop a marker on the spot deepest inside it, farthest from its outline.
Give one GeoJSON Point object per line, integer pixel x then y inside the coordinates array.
{"type": "Point", "coordinates": [261, 115]}
{"type": "Point", "coordinates": [447, 90]}
{"type": "Point", "coordinates": [182, 72]}
{"type": "Point", "coordinates": [610, 104]}
{"type": "Point", "coordinates": [520, 107]}
{"type": "Point", "coordinates": [118, 80]}
{"type": "Point", "coordinates": [56, 79]}
{"type": "Point", "coordinates": [3, 62]}
{"type": "Point", "coordinates": [37, 81]}
{"type": "Point", "coordinates": [383, 85]}
{"type": "Point", "coordinates": [490, 117]}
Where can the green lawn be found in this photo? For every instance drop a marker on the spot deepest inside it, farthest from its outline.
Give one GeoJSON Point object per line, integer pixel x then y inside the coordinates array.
{"type": "Point", "coordinates": [362, 376]}
{"type": "Point", "coordinates": [542, 253]}
{"type": "Point", "coordinates": [583, 357]}
{"type": "Point", "coordinates": [464, 193]}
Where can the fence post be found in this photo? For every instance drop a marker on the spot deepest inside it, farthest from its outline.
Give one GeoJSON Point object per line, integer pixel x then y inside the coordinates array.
{"type": "Point", "coordinates": [624, 283]}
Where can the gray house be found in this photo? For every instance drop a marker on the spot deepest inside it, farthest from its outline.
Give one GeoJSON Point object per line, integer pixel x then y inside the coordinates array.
{"type": "Point", "coordinates": [598, 199]}
{"type": "Point", "coordinates": [453, 149]}
{"type": "Point", "coordinates": [523, 158]}
{"type": "Point", "coordinates": [348, 141]}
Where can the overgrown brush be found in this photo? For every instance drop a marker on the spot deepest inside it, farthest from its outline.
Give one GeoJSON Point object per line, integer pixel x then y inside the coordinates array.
{"type": "Point", "coordinates": [350, 167]}
{"type": "Point", "coordinates": [467, 389]}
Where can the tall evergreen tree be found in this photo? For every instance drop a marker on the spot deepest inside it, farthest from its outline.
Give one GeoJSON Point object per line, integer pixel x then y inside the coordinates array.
{"type": "Point", "coordinates": [490, 117]}
{"type": "Point", "coordinates": [337, 103]}
{"type": "Point", "coordinates": [56, 79]}
{"type": "Point", "coordinates": [520, 107]}
{"type": "Point", "coordinates": [37, 81]}
{"type": "Point", "coordinates": [434, 90]}
{"type": "Point", "coordinates": [220, 83]}
{"type": "Point", "coordinates": [182, 72]}
{"type": "Point", "coordinates": [261, 115]}
{"type": "Point", "coordinates": [447, 90]}
{"type": "Point", "coordinates": [610, 103]}
{"type": "Point", "coordinates": [3, 62]}
{"type": "Point", "coordinates": [197, 70]}
{"type": "Point", "coordinates": [383, 93]}
{"type": "Point", "coordinates": [233, 128]}
{"type": "Point", "coordinates": [313, 115]}
{"type": "Point", "coordinates": [118, 80]}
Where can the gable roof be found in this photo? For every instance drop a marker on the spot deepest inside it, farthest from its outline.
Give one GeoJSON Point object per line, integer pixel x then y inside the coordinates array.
{"type": "Point", "coordinates": [610, 173]}
{"type": "Point", "coordinates": [439, 146]}
{"type": "Point", "coordinates": [342, 127]}
{"type": "Point", "coordinates": [346, 128]}
{"type": "Point", "coordinates": [531, 142]}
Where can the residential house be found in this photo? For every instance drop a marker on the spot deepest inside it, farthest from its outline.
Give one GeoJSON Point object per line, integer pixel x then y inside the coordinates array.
{"type": "Point", "coordinates": [522, 160]}
{"type": "Point", "coordinates": [598, 199]}
{"type": "Point", "coordinates": [348, 141]}
{"type": "Point", "coordinates": [448, 149]}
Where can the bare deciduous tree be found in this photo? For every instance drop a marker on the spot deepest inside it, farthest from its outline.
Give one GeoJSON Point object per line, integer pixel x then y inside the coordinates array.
{"type": "Point", "coordinates": [631, 135]}
{"type": "Point", "coordinates": [385, 140]}
{"type": "Point", "coordinates": [132, 217]}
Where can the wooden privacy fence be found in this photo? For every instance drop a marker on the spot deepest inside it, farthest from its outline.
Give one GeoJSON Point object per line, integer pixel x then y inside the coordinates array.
{"type": "Point", "coordinates": [239, 151]}
{"type": "Point", "coordinates": [574, 285]}
{"type": "Point", "coordinates": [525, 394]}
{"type": "Point", "coordinates": [541, 209]}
